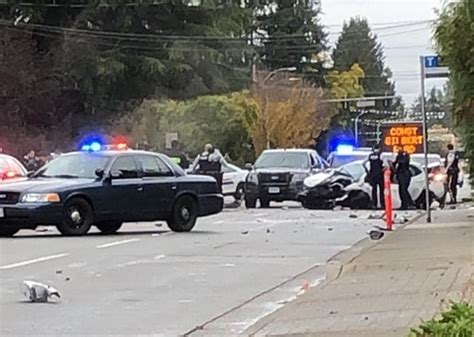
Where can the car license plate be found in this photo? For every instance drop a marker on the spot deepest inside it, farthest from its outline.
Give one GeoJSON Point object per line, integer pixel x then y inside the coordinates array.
{"type": "Point", "coordinates": [2, 213]}
{"type": "Point", "coordinates": [273, 190]}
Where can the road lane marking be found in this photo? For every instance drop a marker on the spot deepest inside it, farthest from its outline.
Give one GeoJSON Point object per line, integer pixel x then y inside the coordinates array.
{"type": "Point", "coordinates": [159, 257]}
{"type": "Point", "coordinates": [27, 262]}
{"type": "Point", "coordinates": [116, 243]}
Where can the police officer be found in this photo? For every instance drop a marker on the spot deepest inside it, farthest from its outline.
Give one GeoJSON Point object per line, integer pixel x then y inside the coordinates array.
{"type": "Point", "coordinates": [31, 162]}
{"type": "Point", "coordinates": [452, 170]}
{"type": "Point", "coordinates": [209, 163]}
{"type": "Point", "coordinates": [375, 176]}
{"type": "Point", "coordinates": [177, 155]}
{"type": "Point", "coordinates": [402, 171]}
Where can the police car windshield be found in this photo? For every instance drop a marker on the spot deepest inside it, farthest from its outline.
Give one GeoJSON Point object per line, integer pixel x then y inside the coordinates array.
{"type": "Point", "coordinates": [297, 160]}
{"type": "Point", "coordinates": [79, 165]}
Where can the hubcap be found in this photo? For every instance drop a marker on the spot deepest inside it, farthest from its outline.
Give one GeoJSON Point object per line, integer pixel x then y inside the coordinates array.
{"type": "Point", "coordinates": [76, 217]}
{"type": "Point", "coordinates": [185, 214]}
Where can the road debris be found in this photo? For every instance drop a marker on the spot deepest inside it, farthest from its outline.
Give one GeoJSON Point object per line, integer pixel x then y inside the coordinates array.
{"type": "Point", "coordinates": [67, 279]}
{"type": "Point", "coordinates": [376, 235]}
{"type": "Point", "coordinates": [330, 228]}
{"type": "Point", "coordinates": [375, 216]}
{"type": "Point", "coordinates": [244, 232]}
{"type": "Point", "coordinates": [59, 271]}
{"type": "Point", "coordinates": [268, 230]}
{"type": "Point", "coordinates": [353, 216]}
{"type": "Point", "coordinates": [38, 292]}
{"type": "Point", "coordinates": [305, 285]}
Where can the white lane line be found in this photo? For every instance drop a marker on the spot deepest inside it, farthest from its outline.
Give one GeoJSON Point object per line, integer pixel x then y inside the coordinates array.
{"type": "Point", "coordinates": [159, 257]}
{"type": "Point", "coordinates": [116, 243]}
{"type": "Point", "coordinates": [27, 262]}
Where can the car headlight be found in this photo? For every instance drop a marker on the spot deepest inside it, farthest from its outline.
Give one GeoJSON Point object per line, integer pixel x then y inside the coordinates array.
{"type": "Point", "coordinates": [298, 178]}
{"type": "Point", "coordinates": [40, 197]}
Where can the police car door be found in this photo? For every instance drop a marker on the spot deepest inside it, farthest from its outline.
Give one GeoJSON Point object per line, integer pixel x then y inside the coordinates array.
{"type": "Point", "coordinates": [160, 188]}
{"type": "Point", "coordinates": [125, 196]}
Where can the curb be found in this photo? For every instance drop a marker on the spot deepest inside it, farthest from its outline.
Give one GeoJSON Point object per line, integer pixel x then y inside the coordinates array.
{"type": "Point", "coordinates": [335, 265]}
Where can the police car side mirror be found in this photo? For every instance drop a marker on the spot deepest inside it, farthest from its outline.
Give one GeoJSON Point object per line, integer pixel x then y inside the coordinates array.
{"type": "Point", "coordinates": [99, 173]}
{"type": "Point", "coordinates": [248, 167]}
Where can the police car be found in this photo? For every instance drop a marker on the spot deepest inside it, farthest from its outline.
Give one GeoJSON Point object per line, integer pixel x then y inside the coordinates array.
{"type": "Point", "coordinates": [105, 187]}
{"type": "Point", "coordinates": [11, 169]}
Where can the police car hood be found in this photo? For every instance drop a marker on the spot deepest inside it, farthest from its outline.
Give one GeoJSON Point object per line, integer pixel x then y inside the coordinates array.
{"type": "Point", "coordinates": [40, 185]}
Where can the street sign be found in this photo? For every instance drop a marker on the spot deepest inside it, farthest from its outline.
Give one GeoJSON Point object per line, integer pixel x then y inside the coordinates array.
{"type": "Point", "coordinates": [407, 136]}
{"type": "Point", "coordinates": [365, 104]}
{"type": "Point", "coordinates": [434, 67]}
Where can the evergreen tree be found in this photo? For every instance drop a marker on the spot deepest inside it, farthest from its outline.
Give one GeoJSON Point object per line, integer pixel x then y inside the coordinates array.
{"type": "Point", "coordinates": [357, 44]}
{"type": "Point", "coordinates": [293, 37]}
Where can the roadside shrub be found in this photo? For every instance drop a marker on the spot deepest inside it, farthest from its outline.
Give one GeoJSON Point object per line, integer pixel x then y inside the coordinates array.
{"type": "Point", "coordinates": [456, 322]}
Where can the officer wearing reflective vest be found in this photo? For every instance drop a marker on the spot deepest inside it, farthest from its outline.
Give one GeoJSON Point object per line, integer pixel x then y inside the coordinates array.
{"type": "Point", "coordinates": [177, 155]}
{"type": "Point", "coordinates": [209, 163]}
{"type": "Point", "coordinates": [375, 176]}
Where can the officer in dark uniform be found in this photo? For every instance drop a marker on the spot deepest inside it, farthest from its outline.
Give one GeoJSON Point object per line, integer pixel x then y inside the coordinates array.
{"type": "Point", "coordinates": [209, 163]}
{"type": "Point", "coordinates": [375, 176]}
{"type": "Point", "coordinates": [402, 171]}
{"type": "Point", "coordinates": [452, 170]}
{"type": "Point", "coordinates": [177, 155]}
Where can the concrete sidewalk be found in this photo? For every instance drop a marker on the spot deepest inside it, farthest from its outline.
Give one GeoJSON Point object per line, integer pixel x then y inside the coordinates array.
{"type": "Point", "coordinates": [389, 287]}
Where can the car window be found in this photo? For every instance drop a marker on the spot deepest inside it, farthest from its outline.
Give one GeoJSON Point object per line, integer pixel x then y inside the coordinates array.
{"type": "Point", "coordinates": [15, 168]}
{"type": "Point", "coordinates": [80, 165]}
{"type": "Point", "coordinates": [283, 159]}
{"type": "Point", "coordinates": [227, 169]}
{"type": "Point", "coordinates": [356, 170]}
{"type": "Point", "coordinates": [3, 165]}
{"type": "Point", "coordinates": [165, 171]}
{"type": "Point", "coordinates": [415, 171]}
{"type": "Point", "coordinates": [153, 167]}
{"type": "Point", "coordinates": [125, 168]}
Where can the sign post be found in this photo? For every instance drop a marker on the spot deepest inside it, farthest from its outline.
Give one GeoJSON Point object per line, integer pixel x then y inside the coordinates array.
{"type": "Point", "coordinates": [430, 67]}
{"type": "Point", "coordinates": [425, 141]}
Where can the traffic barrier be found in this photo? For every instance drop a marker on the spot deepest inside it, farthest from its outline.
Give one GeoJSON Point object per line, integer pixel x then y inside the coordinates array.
{"type": "Point", "coordinates": [387, 192]}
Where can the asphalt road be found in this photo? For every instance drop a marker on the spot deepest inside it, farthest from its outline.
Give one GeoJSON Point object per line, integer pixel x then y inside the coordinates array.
{"type": "Point", "coordinates": [233, 268]}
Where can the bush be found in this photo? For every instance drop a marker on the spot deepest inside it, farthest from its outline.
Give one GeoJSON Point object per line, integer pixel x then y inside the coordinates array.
{"type": "Point", "coordinates": [457, 322]}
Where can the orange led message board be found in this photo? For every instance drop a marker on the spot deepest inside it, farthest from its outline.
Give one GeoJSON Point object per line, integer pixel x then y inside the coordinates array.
{"type": "Point", "coordinates": [402, 136]}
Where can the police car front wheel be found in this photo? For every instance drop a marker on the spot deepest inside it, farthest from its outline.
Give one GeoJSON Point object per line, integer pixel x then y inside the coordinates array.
{"type": "Point", "coordinates": [184, 214]}
{"type": "Point", "coordinates": [78, 217]}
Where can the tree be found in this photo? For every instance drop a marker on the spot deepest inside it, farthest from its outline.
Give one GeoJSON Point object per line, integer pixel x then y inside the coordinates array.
{"type": "Point", "coordinates": [33, 104]}
{"type": "Point", "coordinates": [453, 35]}
{"type": "Point", "coordinates": [358, 45]}
{"type": "Point", "coordinates": [293, 37]}
{"type": "Point", "coordinates": [287, 117]}
{"type": "Point", "coordinates": [120, 52]}
{"type": "Point", "coordinates": [341, 84]}
{"type": "Point", "coordinates": [437, 107]}
{"type": "Point", "coordinates": [217, 119]}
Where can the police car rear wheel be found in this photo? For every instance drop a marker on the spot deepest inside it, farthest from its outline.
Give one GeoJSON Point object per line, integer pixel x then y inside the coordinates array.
{"type": "Point", "coordinates": [7, 231]}
{"type": "Point", "coordinates": [77, 217]}
{"type": "Point", "coordinates": [108, 227]}
{"type": "Point", "coordinates": [184, 214]}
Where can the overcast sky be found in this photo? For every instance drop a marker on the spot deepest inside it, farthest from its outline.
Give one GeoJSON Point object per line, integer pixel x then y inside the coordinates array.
{"type": "Point", "coordinates": [415, 40]}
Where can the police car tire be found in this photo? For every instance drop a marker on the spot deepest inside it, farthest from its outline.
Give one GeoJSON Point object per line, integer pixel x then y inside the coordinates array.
{"type": "Point", "coordinates": [108, 227]}
{"type": "Point", "coordinates": [86, 212]}
{"type": "Point", "coordinates": [264, 203]}
{"type": "Point", "coordinates": [239, 192]}
{"type": "Point", "coordinates": [187, 207]}
{"type": "Point", "coordinates": [8, 231]}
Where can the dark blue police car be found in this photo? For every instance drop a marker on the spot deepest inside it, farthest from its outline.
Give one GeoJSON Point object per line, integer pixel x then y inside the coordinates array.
{"type": "Point", "coordinates": [104, 189]}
